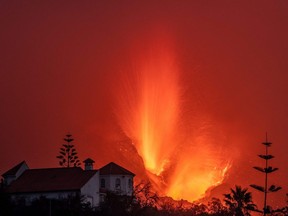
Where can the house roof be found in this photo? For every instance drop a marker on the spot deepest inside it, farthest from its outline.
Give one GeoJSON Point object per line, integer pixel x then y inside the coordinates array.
{"type": "Point", "coordinates": [51, 179]}
{"type": "Point", "coordinates": [13, 170]}
{"type": "Point", "coordinates": [114, 169]}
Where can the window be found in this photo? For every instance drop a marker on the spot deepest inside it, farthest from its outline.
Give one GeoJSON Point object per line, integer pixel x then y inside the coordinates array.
{"type": "Point", "coordinates": [130, 184]}
{"type": "Point", "coordinates": [102, 183]}
{"type": "Point", "coordinates": [118, 184]}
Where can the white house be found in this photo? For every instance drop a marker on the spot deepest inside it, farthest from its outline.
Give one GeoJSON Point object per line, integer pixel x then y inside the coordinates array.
{"type": "Point", "coordinates": [116, 179]}
{"type": "Point", "coordinates": [57, 183]}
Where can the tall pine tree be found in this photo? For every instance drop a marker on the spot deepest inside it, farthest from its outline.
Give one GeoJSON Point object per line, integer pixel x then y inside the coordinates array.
{"type": "Point", "coordinates": [68, 156]}
{"type": "Point", "coordinates": [266, 170]}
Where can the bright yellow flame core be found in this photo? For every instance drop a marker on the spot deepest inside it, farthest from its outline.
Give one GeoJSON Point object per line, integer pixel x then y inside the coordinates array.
{"type": "Point", "coordinates": [158, 109]}
{"type": "Point", "coordinates": [149, 111]}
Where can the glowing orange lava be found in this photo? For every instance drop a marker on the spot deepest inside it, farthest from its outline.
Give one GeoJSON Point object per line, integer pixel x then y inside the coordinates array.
{"type": "Point", "coordinates": [158, 107]}
{"type": "Point", "coordinates": [150, 111]}
{"type": "Point", "coordinates": [199, 168]}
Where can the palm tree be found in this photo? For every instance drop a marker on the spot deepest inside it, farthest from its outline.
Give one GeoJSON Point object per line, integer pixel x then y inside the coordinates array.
{"type": "Point", "coordinates": [239, 201]}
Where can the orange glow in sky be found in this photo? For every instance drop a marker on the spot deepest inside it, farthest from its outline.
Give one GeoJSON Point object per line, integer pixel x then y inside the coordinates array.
{"type": "Point", "coordinates": [188, 89]}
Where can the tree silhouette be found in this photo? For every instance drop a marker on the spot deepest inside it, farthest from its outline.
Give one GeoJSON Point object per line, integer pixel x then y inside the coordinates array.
{"type": "Point", "coordinates": [215, 207]}
{"type": "Point", "coordinates": [266, 170]}
{"type": "Point", "coordinates": [144, 194]}
{"type": "Point", "coordinates": [68, 155]}
{"type": "Point", "coordinates": [239, 201]}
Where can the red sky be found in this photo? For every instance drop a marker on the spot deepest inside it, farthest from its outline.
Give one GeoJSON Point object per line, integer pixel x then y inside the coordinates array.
{"type": "Point", "coordinates": [61, 63]}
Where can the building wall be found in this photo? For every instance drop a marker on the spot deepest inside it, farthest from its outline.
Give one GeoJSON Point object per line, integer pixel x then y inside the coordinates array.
{"type": "Point", "coordinates": [9, 179]}
{"type": "Point", "coordinates": [125, 188]}
{"type": "Point", "coordinates": [21, 170]}
{"type": "Point", "coordinates": [30, 197]}
{"type": "Point", "coordinates": [91, 190]}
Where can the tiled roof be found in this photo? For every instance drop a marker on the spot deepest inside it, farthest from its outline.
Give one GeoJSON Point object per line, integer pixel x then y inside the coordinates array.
{"type": "Point", "coordinates": [51, 179]}
{"type": "Point", "coordinates": [13, 170]}
{"type": "Point", "coordinates": [114, 169]}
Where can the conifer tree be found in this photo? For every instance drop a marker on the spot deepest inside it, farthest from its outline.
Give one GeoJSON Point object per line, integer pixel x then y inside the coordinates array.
{"type": "Point", "coordinates": [266, 170]}
{"type": "Point", "coordinates": [68, 156]}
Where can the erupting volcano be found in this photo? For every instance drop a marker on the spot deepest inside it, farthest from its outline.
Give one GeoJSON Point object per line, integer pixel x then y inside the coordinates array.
{"type": "Point", "coordinates": [181, 148]}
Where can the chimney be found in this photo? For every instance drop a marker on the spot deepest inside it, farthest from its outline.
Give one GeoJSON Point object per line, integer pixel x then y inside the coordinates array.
{"type": "Point", "coordinates": [88, 164]}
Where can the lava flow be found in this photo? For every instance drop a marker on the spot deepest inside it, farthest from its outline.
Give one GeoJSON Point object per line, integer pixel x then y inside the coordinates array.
{"type": "Point", "coordinates": [183, 163]}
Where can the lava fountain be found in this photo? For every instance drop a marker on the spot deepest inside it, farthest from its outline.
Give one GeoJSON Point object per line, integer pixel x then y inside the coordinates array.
{"type": "Point", "coordinates": [150, 105]}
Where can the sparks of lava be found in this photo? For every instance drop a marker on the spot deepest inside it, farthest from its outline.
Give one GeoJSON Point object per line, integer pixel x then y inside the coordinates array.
{"type": "Point", "coordinates": [149, 110]}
